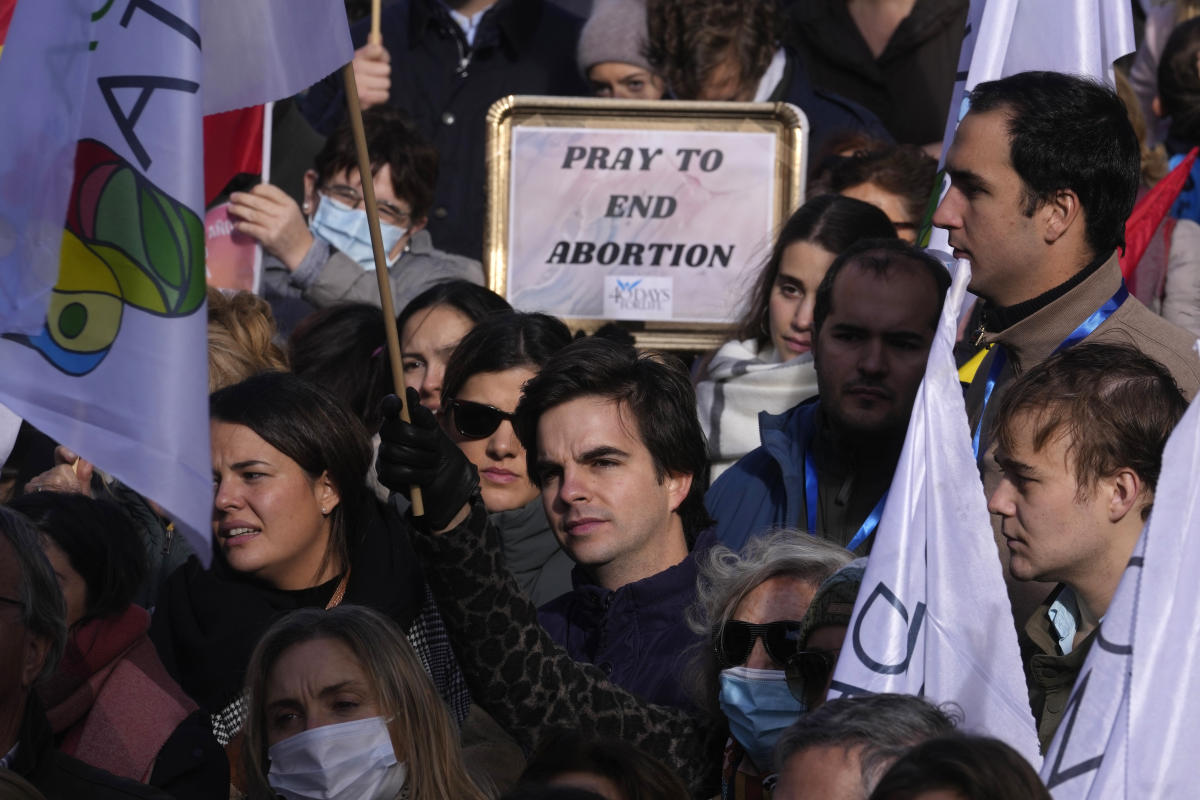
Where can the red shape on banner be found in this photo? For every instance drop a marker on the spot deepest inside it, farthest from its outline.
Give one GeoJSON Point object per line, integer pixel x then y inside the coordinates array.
{"type": "Point", "coordinates": [1149, 212]}
{"type": "Point", "coordinates": [233, 143]}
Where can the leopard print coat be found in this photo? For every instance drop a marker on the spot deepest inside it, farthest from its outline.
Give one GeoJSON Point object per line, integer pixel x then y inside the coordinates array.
{"type": "Point", "coordinates": [528, 683]}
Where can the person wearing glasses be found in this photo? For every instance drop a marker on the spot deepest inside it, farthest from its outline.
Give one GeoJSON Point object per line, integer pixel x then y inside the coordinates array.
{"type": "Point", "coordinates": [897, 179]}
{"type": "Point", "coordinates": [481, 389]}
{"type": "Point", "coordinates": [319, 253]}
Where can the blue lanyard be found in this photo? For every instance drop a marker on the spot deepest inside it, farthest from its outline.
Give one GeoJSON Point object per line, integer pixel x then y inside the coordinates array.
{"type": "Point", "coordinates": [1085, 329]}
{"type": "Point", "coordinates": [810, 503]}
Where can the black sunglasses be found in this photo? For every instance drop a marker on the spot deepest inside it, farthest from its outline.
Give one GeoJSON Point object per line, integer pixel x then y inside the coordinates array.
{"type": "Point", "coordinates": [733, 641]}
{"type": "Point", "coordinates": [808, 672]}
{"type": "Point", "coordinates": [476, 420]}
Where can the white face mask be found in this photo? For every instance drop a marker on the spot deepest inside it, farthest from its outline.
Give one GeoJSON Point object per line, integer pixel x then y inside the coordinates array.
{"type": "Point", "coordinates": [348, 230]}
{"type": "Point", "coordinates": [347, 761]}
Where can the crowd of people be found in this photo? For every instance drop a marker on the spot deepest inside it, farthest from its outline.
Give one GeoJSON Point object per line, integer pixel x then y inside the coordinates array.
{"type": "Point", "coordinates": [626, 576]}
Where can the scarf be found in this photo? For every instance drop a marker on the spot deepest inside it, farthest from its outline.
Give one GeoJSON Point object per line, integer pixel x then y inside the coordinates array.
{"type": "Point", "coordinates": [741, 382]}
{"type": "Point", "coordinates": [111, 704]}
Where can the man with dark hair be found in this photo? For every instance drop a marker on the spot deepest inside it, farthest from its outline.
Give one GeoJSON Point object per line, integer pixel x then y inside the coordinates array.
{"type": "Point", "coordinates": [33, 634]}
{"type": "Point", "coordinates": [1043, 171]}
{"type": "Point", "coordinates": [613, 442]}
{"type": "Point", "coordinates": [444, 62]}
{"type": "Point", "coordinates": [841, 750]}
{"type": "Point", "coordinates": [324, 257]}
{"type": "Point", "coordinates": [731, 51]}
{"type": "Point", "coordinates": [825, 465]}
{"type": "Point", "coordinates": [1079, 441]}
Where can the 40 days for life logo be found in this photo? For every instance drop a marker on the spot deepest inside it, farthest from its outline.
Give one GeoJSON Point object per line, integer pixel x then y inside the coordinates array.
{"type": "Point", "coordinates": [631, 297]}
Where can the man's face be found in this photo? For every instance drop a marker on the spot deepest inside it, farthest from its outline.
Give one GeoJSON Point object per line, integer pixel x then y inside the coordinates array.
{"type": "Point", "coordinates": [822, 773]}
{"type": "Point", "coordinates": [983, 210]}
{"type": "Point", "coordinates": [873, 345]}
{"type": "Point", "coordinates": [1051, 532]}
{"type": "Point", "coordinates": [605, 503]}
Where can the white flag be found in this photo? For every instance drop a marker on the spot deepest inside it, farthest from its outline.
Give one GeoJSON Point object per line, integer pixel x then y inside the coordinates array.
{"type": "Point", "coordinates": [101, 205]}
{"type": "Point", "coordinates": [932, 617]}
{"type": "Point", "coordinates": [1132, 726]}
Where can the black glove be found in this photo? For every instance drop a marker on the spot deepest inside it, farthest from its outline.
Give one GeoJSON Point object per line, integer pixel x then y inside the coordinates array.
{"type": "Point", "coordinates": [420, 454]}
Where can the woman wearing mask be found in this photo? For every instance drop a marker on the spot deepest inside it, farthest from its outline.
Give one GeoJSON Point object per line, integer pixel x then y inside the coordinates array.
{"type": "Point", "coordinates": [320, 253]}
{"type": "Point", "coordinates": [483, 384]}
{"type": "Point", "coordinates": [340, 708]}
{"type": "Point", "coordinates": [295, 526]}
{"type": "Point", "coordinates": [769, 365]}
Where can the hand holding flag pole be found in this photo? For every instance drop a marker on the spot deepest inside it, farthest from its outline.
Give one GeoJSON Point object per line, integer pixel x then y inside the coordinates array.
{"type": "Point", "coordinates": [381, 270]}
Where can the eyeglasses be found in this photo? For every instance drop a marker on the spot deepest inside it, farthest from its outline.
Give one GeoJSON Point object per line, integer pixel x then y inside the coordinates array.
{"type": "Point", "coordinates": [808, 673]}
{"type": "Point", "coordinates": [353, 198]}
{"type": "Point", "coordinates": [476, 420]}
{"type": "Point", "coordinates": [733, 641]}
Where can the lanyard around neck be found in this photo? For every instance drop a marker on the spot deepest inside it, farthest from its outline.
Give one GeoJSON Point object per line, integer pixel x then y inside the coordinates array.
{"type": "Point", "coordinates": [810, 503]}
{"type": "Point", "coordinates": [1085, 329]}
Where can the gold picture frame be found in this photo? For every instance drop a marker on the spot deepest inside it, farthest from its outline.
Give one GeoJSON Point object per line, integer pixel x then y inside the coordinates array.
{"type": "Point", "coordinates": [785, 122]}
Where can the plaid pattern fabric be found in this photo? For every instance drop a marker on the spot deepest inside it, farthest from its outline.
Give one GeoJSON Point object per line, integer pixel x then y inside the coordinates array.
{"type": "Point", "coordinates": [428, 637]}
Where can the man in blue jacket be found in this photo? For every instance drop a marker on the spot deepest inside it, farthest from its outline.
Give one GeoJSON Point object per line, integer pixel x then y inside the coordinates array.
{"type": "Point", "coordinates": [825, 465]}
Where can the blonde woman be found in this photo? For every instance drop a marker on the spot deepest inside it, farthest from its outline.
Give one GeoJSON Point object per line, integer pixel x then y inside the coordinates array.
{"type": "Point", "coordinates": [342, 690]}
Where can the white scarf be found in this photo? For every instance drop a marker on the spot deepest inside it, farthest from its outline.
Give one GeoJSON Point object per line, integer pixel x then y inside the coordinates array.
{"type": "Point", "coordinates": [740, 383]}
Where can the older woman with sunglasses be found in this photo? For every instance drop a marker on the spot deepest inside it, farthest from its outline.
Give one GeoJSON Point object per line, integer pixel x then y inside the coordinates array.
{"type": "Point", "coordinates": [480, 391]}
{"type": "Point", "coordinates": [319, 254]}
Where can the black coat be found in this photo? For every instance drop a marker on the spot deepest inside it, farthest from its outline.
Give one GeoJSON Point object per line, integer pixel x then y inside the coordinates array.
{"type": "Point", "coordinates": [521, 47]}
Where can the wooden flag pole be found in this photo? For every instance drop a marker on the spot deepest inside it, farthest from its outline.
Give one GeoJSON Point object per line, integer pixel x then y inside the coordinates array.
{"type": "Point", "coordinates": [375, 37]}
{"type": "Point", "coordinates": [381, 270]}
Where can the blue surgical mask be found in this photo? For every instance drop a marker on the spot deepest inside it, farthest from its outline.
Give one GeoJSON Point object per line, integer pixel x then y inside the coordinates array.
{"type": "Point", "coordinates": [347, 229]}
{"type": "Point", "coordinates": [759, 706]}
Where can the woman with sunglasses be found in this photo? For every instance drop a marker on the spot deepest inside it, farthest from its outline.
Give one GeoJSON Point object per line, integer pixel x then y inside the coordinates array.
{"type": "Point", "coordinates": [319, 253]}
{"type": "Point", "coordinates": [755, 604]}
{"type": "Point", "coordinates": [482, 385]}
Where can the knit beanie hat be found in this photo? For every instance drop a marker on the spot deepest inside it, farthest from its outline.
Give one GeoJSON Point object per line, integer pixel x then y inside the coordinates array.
{"type": "Point", "coordinates": [833, 604]}
{"type": "Point", "coordinates": [615, 31]}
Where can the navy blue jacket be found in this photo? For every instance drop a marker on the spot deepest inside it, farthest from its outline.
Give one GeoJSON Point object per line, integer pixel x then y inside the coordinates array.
{"type": "Point", "coordinates": [765, 488]}
{"type": "Point", "coordinates": [637, 635]}
{"type": "Point", "coordinates": [520, 47]}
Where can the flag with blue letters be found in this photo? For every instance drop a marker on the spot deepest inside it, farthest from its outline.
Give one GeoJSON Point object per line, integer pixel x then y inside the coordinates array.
{"type": "Point", "coordinates": [102, 279]}
{"type": "Point", "coordinates": [933, 617]}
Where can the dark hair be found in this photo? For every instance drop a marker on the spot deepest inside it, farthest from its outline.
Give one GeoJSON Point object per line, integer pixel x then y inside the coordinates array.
{"type": "Point", "coordinates": [904, 170]}
{"type": "Point", "coordinates": [343, 349]}
{"type": "Point", "coordinates": [973, 767]}
{"type": "Point", "coordinates": [636, 775]}
{"type": "Point", "coordinates": [831, 221]}
{"type": "Point", "coordinates": [393, 141]}
{"type": "Point", "coordinates": [657, 392]}
{"type": "Point", "coordinates": [879, 256]}
{"type": "Point", "coordinates": [1179, 81]}
{"type": "Point", "coordinates": [1069, 132]}
{"type": "Point", "coordinates": [502, 342]}
{"type": "Point", "coordinates": [1117, 405]}
{"type": "Point", "coordinates": [43, 610]}
{"type": "Point", "coordinates": [98, 539]}
{"type": "Point", "coordinates": [885, 726]}
{"type": "Point", "coordinates": [308, 425]}
{"type": "Point", "coordinates": [687, 39]}
{"type": "Point", "coordinates": [472, 300]}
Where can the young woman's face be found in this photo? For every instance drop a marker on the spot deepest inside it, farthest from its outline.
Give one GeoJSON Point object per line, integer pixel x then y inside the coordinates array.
{"type": "Point", "coordinates": [316, 683]}
{"type": "Point", "coordinates": [499, 456]}
{"type": "Point", "coordinates": [270, 518]}
{"type": "Point", "coordinates": [794, 295]}
{"type": "Point", "coordinates": [74, 588]}
{"type": "Point", "coordinates": [428, 338]}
